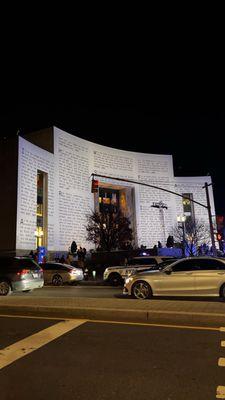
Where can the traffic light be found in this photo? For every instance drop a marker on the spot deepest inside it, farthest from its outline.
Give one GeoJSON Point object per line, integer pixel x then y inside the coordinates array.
{"type": "Point", "coordinates": [94, 186]}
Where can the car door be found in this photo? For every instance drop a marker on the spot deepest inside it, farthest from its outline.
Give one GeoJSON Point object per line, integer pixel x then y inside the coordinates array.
{"type": "Point", "coordinates": [47, 273]}
{"type": "Point", "coordinates": [180, 281]}
{"type": "Point", "coordinates": [210, 276]}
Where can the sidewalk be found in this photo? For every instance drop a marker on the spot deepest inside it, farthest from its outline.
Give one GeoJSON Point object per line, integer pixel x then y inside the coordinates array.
{"type": "Point", "coordinates": [190, 312]}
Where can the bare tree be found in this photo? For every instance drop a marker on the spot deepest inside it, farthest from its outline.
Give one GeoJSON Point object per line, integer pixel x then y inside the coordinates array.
{"type": "Point", "coordinates": [108, 230]}
{"type": "Point", "coordinates": [194, 234]}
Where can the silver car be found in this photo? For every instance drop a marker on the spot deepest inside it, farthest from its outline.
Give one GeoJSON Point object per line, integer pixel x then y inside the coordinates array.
{"type": "Point", "coordinates": [196, 276]}
{"type": "Point", "coordinates": [19, 274]}
{"type": "Point", "coordinates": [58, 274]}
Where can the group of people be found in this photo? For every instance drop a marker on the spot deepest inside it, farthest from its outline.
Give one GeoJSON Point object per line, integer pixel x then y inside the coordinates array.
{"type": "Point", "coordinates": [63, 259]}
{"type": "Point", "coordinates": [81, 254]}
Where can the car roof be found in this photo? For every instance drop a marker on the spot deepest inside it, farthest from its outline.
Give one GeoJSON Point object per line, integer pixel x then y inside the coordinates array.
{"type": "Point", "coordinates": [54, 262]}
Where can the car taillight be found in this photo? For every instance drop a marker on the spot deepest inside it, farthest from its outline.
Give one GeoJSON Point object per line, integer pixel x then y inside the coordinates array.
{"type": "Point", "coordinates": [23, 272]}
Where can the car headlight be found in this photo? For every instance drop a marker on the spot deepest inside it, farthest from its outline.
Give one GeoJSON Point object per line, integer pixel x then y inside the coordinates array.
{"type": "Point", "coordinates": [128, 280]}
{"type": "Point", "coordinates": [129, 272]}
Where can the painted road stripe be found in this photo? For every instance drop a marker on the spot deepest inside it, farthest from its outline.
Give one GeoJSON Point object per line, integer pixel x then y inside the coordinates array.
{"type": "Point", "coordinates": [220, 392]}
{"type": "Point", "coordinates": [20, 349]}
{"type": "Point", "coordinates": [221, 362]}
{"type": "Point", "coordinates": [116, 322]}
{"type": "Point", "coordinates": [156, 325]}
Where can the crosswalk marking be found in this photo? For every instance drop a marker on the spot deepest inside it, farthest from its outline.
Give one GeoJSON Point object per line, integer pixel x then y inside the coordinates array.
{"type": "Point", "coordinates": [221, 362]}
{"type": "Point", "coordinates": [220, 392]}
{"type": "Point", "coordinates": [25, 346]}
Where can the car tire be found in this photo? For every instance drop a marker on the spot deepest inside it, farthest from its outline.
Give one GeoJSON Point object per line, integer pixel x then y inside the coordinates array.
{"type": "Point", "coordinates": [115, 279]}
{"type": "Point", "coordinates": [57, 280]}
{"type": "Point", "coordinates": [141, 290]}
{"type": "Point", "coordinates": [222, 292]}
{"type": "Point", "coordinates": [5, 288]}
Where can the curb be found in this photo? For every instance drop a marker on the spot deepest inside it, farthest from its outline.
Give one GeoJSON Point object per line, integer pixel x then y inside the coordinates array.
{"type": "Point", "coordinates": [117, 315]}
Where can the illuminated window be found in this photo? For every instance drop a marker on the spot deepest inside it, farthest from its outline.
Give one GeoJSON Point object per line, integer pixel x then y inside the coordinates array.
{"type": "Point", "coordinates": [41, 210]}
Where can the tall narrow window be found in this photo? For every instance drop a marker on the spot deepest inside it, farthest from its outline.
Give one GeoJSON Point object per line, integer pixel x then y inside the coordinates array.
{"type": "Point", "coordinates": [41, 213]}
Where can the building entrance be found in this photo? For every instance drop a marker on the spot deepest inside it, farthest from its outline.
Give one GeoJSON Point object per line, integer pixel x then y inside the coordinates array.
{"type": "Point", "coordinates": [116, 198]}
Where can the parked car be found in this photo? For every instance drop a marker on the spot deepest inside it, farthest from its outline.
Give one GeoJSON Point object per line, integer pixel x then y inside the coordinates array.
{"type": "Point", "coordinates": [19, 274]}
{"type": "Point", "coordinates": [195, 276]}
{"type": "Point", "coordinates": [117, 275]}
{"type": "Point", "coordinates": [58, 274]}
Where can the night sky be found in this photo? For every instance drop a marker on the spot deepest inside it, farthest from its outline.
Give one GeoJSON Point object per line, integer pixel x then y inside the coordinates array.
{"type": "Point", "coordinates": [195, 139]}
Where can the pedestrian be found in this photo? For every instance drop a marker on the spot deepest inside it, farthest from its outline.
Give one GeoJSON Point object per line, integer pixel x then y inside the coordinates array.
{"type": "Point", "coordinates": [36, 256]}
{"type": "Point", "coordinates": [62, 260]}
{"type": "Point", "coordinates": [155, 250]}
{"type": "Point", "coordinates": [67, 260]}
{"type": "Point", "coordinates": [80, 257]}
{"type": "Point", "coordinates": [31, 254]}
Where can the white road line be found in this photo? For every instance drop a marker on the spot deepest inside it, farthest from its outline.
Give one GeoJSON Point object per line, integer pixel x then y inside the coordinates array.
{"type": "Point", "coordinates": [221, 362]}
{"type": "Point", "coordinates": [20, 349]}
{"type": "Point", "coordinates": [220, 392]}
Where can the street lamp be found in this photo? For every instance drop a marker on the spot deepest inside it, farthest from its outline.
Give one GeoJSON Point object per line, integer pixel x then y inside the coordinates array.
{"type": "Point", "coordinates": [181, 219]}
{"type": "Point", "coordinates": [160, 205]}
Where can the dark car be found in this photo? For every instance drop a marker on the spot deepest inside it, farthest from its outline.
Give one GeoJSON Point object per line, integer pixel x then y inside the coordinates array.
{"type": "Point", "coordinates": [19, 274]}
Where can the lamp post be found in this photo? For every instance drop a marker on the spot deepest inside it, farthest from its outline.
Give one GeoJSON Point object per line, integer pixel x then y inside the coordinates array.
{"type": "Point", "coordinates": [160, 205]}
{"type": "Point", "coordinates": [181, 219]}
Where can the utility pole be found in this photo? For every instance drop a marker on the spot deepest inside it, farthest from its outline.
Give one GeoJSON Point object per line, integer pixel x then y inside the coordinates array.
{"type": "Point", "coordinates": [206, 186]}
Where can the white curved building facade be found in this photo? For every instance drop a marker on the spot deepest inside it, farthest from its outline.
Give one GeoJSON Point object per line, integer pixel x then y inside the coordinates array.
{"type": "Point", "coordinates": [53, 211]}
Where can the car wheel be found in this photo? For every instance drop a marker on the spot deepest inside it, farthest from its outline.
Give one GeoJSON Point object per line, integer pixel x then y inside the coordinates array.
{"type": "Point", "coordinates": [57, 280]}
{"type": "Point", "coordinates": [141, 290]}
{"type": "Point", "coordinates": [5, 288]}
{"type": "Point", "coordinates": [115, 280]}
{"type": "Point", "coordinates": [222, 292]}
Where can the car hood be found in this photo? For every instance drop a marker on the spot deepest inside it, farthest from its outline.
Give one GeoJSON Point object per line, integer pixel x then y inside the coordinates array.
{"type": "Point", "coordinates": [147, 273]}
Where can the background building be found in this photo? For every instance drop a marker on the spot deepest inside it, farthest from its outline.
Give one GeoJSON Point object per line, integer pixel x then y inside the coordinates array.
{"type": "Point", "coordinates": [47, 191]}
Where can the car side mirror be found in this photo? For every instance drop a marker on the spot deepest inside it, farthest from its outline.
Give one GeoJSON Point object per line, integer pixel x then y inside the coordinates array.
{"type": "Point", "coordinates": [168, 271]}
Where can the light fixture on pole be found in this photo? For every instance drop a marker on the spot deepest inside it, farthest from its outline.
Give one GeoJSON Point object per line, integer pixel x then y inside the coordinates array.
{"type": "Point", "coordinates": [160, 205]}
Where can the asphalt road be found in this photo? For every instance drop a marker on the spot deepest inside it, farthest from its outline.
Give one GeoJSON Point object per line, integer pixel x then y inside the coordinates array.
{"type": "Point", "coordinates": [100, 361]}
{"type": "Point", "coordinates": [77, 291]}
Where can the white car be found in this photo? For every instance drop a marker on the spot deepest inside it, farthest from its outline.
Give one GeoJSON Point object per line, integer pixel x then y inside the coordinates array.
{"type": "Point", "coordinates": [58, 274]}
{"type": "Point", "coordinates": [117, 275]}
{"type": "Point", "coordinates": [196, 276]}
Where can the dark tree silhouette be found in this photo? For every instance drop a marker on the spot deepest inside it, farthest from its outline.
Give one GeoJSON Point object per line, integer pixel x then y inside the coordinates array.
{"type": "Point", "coordinates": [109, 231]}
{"type": "Point", "coordinates": [195, 234]}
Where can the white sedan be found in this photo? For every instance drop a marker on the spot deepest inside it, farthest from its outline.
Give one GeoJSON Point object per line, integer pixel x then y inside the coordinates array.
{"type": "Point", "coordinates": [196, 276]}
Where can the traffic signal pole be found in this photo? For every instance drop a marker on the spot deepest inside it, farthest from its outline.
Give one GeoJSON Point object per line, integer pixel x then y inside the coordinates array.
{"type": "Point", "coordinates": [208, 207]}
